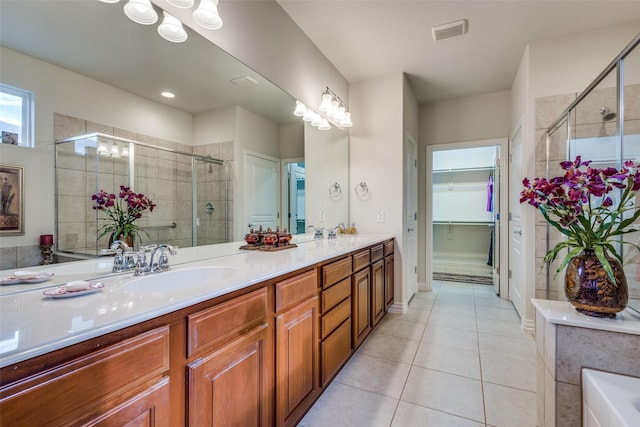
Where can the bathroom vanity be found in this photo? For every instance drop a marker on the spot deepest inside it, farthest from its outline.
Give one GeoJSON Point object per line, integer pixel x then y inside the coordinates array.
{"type": "Point", "coordinates": [246, 339]}
{"type": "Point", "coordinates": [569, 343]}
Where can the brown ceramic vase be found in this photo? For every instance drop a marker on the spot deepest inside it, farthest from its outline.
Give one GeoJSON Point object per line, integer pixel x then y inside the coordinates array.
{"type": "Point", "coordinates": [590, 290]}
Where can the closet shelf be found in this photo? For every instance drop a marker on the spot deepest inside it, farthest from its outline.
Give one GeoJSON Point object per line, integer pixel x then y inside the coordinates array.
{"type": "Point", "coordinates": [488, 223]}
{"type": "Point", "coordinates": [482, 168]}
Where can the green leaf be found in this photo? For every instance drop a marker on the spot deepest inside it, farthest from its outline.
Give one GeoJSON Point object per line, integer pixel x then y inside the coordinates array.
{"type": "Point", "coordinates": [602, 257]}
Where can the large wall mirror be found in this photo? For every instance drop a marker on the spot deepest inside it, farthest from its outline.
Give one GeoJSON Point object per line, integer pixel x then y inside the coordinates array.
{"type": "Point", "coordinates": [94, 72]}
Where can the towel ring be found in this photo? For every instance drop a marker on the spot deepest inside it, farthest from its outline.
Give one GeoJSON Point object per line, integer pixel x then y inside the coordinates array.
{"type": "Point", "coordinates": [362, 190]}
{"type": "Point", "coordinates": [335, 191]}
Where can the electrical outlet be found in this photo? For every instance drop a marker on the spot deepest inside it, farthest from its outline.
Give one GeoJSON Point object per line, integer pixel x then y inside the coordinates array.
{"type": "Point", "coordinates": [380, 216]}
{"type": "Point", "coordinates": [323, 216]}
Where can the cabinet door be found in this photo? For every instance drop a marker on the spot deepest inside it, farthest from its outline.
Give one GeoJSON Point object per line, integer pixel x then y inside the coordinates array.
{"type": "Point", "coordinates": [148, 409]}
{"type": "Point", "coordinates": [361, 300]}
{"type": "Point", "coordinates": [231, 387]}
{"type": "Point", "coordinates": [377, 292]}
{"type": "Point", "coordinates": [297, 361]}
{"type": "Point", "coordinates": [388, 281]}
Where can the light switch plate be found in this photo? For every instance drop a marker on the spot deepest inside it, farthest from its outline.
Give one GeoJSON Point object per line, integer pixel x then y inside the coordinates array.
{"type": "Point", "coordinates": [380, 216]}
{"type": "Point", "coordinates": [323, 216]}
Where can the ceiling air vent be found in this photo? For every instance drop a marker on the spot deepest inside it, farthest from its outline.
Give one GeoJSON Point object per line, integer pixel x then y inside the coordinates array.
{"type": "Point", "coordinates": [451, 29]}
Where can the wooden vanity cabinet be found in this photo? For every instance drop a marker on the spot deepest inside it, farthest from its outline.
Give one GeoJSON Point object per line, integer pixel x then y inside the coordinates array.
{"type": "Point", "coordinates": [123, 384]}
{"type": "Point", "coordinates": [361, 297]}
{"type": "Point", "coordinates": [297, 347]}
{"type": "Point", "coordinates": [230, 376]}
{"type": "Point", "coordinates": [335, 306]}
{"type": "Point", "coordinates": [388, 274]}
{"type": "Point", "coordinates": [378, 306]}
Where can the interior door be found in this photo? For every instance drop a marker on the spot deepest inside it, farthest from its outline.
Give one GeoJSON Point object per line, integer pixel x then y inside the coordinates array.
{"type": "Point", "coordinates": [411, 171]}
{"type": "Point", "coordinates": [497, 176]}
{"type": "Point", "coordinates": [262, 177]}
{"type": "Point", "coordinates": [515, 222]}
{"type": "Point", "coordinates": [296, 198]}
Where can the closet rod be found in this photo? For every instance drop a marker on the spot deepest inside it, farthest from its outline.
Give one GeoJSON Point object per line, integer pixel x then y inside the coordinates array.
{"type": "Point", "coordinates": [485, 168]}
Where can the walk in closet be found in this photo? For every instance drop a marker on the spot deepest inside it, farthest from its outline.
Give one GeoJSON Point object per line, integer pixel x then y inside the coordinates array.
{"type": "Point", "coordinates": [464, 207]}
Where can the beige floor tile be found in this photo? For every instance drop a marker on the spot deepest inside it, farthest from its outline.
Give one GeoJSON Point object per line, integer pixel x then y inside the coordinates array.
{"type": "Point", "coordinates": [389, 378]}
{"type": "Point", "coordinates": [456, 338]}
{"type": "Point", "coordinates": [410, 415]}
{"type": "Point", "coordinates": [509, 407]}
{"type": "Point", "coordinates": [445, 392]}
{"type": "Point", "coordinates": [344, 406]}
{"type": "Point", "coordinates": [456, 287]}
{"type": "Point", "coordinates": [457, 310]}
{"type": "Point", "coordinates": [401, 328]}
{"type": "Point", "coordinates": [513, 347]}
{"type": "Point", "coordinates": [413, 315]}
{"type": "Point", "coordinates": [421, 303]}
{"type": "Point", "coordinates": [493, 302]}
{"type": "Point", "coordinates": [448, 359]}
{"type": "Point", "coordinates": [509, 371]}
{"type": "Point", "coordinates": [505, 329]}
{"type": "Point", "coordinates": [496, 313]}
{"type": "Point", "coordinates": [456, 321]}
{"type": "Point", "coordinates": [389, 347]}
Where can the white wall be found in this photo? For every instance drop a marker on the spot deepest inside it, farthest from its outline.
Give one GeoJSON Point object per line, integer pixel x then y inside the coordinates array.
{"type": "Point", "coordinates": [58, 90]}
{"type": "Point", "coordinates": [214, 126]}
{"type": "Point", "coordinates": [376, 157]}
{"type": "Point", "coordinates": [292, 141]}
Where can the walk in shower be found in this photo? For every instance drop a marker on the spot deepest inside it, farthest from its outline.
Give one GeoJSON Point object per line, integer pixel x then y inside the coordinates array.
{"type": "Point", "coordinates": [191, 192]}
{"type": "Point", "coordinates": [602, 125]}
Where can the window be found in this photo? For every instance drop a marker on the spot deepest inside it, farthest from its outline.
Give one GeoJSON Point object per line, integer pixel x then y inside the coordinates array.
{"type": "Point", "coordinates": [16, 116]}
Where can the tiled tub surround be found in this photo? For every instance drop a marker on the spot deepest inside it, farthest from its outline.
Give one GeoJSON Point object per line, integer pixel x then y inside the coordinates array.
{"type": "Point", "coordinates": [38, 325]}
{"type": "Point", "coordinates": [568, 341]}
{"type": "Point", "coordinates": [163, 176]}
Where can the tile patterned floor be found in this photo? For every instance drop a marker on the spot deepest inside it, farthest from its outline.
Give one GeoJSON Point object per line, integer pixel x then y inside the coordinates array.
{"type": "Point", "coordinates": [457, 358]}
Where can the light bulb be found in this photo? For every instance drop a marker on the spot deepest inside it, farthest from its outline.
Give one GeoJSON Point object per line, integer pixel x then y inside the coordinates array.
{"type": "Point", "coordinates": [300, 109]}
{"type": "Point", "coordinates": [326, 102]}
{"type": "Point", "coordinates": [334, 109]}
{"type": "Point", "coordinates": [325, 125]}
{"type": "Point", "coordinates": [308, 115]}
{"type": "Point", "coordinates": [346, 121]}
{"type": "Point", "coordinates": [317, 120]}
{"type": "Point", "coordinates": [182, 4]}
{"type": "Point", "coordinates": [141, 11]}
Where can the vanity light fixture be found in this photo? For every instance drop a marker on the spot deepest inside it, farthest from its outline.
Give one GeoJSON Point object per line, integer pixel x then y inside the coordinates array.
{"type": "Point", "coordinates": [308, 115]}
{"type": "Point", "coordinates": [324, 125]}
{"type": "Point", "coordinates": [300, 109]}
{"type": "Point", "coordinates": [335, 108]}
{"type": "Point", "coordinates": [171, 29]}
{"type": "Point", "coordinates": [141, 11]}
{"type": "Point", "coordinates": [206, 15]}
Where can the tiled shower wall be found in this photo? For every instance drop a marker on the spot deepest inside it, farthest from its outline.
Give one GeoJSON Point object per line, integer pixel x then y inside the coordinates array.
{"type": "Point", "coordinates": [588, 123]}
{"type": "Point", "coordinates": [164, 177]}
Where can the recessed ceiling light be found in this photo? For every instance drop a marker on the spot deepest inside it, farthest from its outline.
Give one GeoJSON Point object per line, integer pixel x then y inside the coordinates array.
{"type": "Point", "coordinates": [167, 94]}
{"type": "Point", "coordinates": [244, 81]}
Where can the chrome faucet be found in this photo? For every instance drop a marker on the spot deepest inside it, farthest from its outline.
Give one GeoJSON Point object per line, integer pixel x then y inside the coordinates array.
{"type": "Point", "coordinates": [142, 267]}
{"type": "Point", "coordinates": [331, 234]}
{"type": "Point", "coordinates": [163, 260]}
{"type": "Point", "coordinates": [124, 258]}
{"type": "Point", "coordinates": [317, 232]}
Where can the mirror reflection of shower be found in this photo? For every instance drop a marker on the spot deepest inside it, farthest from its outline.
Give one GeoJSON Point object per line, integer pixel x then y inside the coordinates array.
{"type": "Point", "coordinates": [607, 115]}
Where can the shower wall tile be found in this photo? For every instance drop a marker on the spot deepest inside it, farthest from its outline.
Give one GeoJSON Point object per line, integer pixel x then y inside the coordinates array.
{"type": "Point", "coordinates": [226, 151]}
{"type": "Point", "coordinates": [71, 182]}
{"type": "Point", "coordinates": [67, 127]}
{"type": "Point", "coordinates": [93, 127]}
{"type": "Point", "coordinates": [588, 110]}
{"type": "Point", "coordinates": [126, 134]}
{"type": "Point", "coordinates": [632, 102]}
{"type": "Point", "coordinates": [549, 108]}
{"type": "Point", "coordinates": [68, 158]}
{"type": "Point", "coordinates": [68, 209]}
{"type": "Point", "coordinates": [167, 169]}
{"type": "Point", "coordinates": [568, 405]}
{"type": "Point", "coordinates": [27, 256]}
{"type": "Point", "coordinates": [8, 258]}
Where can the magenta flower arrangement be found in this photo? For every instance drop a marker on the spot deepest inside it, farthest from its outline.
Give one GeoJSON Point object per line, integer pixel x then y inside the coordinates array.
{"type": "Point", "coordinates": [580, 205]}
{"type": "Point", "coordinates": [121, 212]}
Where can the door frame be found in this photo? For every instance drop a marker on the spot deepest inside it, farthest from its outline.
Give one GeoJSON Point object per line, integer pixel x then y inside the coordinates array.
{"type": "Point", "coordinates": [245, 159]}
{"type": "Point", "coordinates": [284, 189]}
{"type": "Point", "coordinates": [503, 143]}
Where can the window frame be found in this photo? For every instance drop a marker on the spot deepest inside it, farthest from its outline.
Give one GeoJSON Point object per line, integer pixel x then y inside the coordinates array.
{"type": "Point", "coordinates": [27, 117]}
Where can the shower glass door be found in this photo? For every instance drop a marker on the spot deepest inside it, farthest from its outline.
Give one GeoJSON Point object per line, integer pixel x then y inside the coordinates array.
{"type": "Point", "coordinates": [210, 194]}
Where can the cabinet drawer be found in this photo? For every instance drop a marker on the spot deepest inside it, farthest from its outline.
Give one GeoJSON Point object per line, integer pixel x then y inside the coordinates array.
{"type": "Point", "coordinates": [226, 321]}
{"type": "Point", "coordinates": [296, 289]}
{"type": "Point", "coordinates": [377, 252]}
{"type": "Point", "coordinates": [361, 259]}
{"type": "Point", "coordinates": [388, 247]}
{"type": "Point", "coordinates": [336, 271]}
{"type": "Point", "coordinates": [76, 389]}
{"type": "Point", "coordinates": [335, 317]}
{"type": "Point", "coordinates": [335, 294]}
{"type": "Point", "coordinates": [335, 350]}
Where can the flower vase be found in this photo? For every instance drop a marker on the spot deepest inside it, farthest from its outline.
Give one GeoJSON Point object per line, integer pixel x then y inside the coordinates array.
{"type": "Point", "coordinates": [590, 290]}
{"type": "Point", "coordinates": [129, 240]}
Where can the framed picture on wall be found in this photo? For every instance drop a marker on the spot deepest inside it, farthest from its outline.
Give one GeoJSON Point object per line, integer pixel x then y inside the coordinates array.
{"type": "Point", "coordinates": [11, 200]}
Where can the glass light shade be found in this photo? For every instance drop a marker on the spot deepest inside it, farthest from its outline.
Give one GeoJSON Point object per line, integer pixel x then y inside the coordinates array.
{"type": "Point", "coordinates": [206, 15]}
{"type": "Point", "coordinates": [109, 1]}
{"type": "Point", "coordinates": [317, 120]}
{"type": "Point", "coordinates": [308, 115]}
{"type": "Point", "coordinates": [300, 109]}
{"type": "Point", "coordinates": [346, 121]}
{"type": "Point", "coordinates": [125, 152]}
{"type": "Point", "coordinates": [171, 29]}
{"type": "Point", "coordinates": [334, 109]}
{"type": "Point", "coordinates": [141, 11]}
{"type": "Point", "coordinates": [103, 150]}
{"type": "Point", "coordinates": [339, 114]}
{"type": "Point", "coordinates": [325, 125]}
{"type": "Point", "coordinates": [326, 102]}
{"type": "Point", "coordinates": [115, 152]}
{"type": "Point", "coordinates": [183, 4]}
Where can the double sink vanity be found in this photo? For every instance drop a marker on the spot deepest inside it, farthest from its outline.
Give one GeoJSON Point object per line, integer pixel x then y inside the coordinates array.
{"type": "Point", "coordinates": [231, 339]}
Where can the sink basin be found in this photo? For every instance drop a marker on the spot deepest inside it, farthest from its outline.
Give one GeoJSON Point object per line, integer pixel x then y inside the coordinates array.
{"type": "Point", "coordinates": [610, 399]}
{"type": "Point", "coordinates": [203, 278]}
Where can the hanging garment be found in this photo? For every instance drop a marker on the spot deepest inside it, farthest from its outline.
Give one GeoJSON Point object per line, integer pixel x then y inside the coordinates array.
{"type": "Point", "coordinates": [490, 194]}
{"type": "Point", "coordinates": [490, 257]}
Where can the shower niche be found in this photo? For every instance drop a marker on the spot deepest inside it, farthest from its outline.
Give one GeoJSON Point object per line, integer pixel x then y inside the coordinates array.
{"type": "Point", "coordinates": [191, 192]}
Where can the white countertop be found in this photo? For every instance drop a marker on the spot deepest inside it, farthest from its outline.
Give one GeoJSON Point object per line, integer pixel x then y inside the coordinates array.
{"type": "Point", "coordinates": [563, 313]}
{"type": "Point", "coordinates": [32, 324]}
